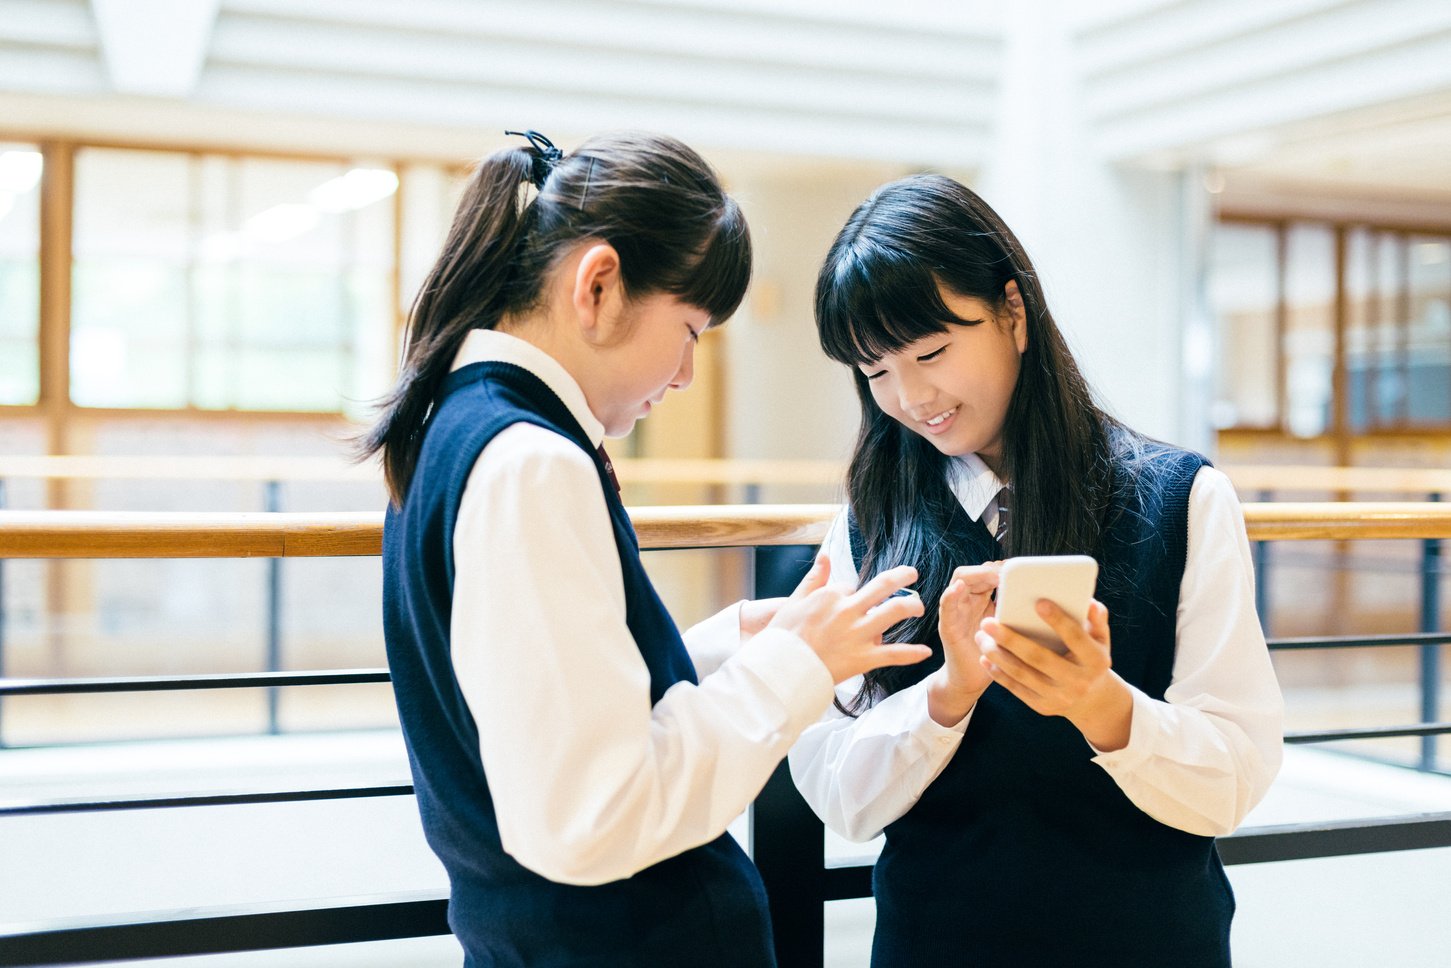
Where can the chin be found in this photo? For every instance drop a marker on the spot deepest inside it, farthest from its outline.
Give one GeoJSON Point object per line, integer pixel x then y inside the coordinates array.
{"type": "Point", "coordinates": [948, 447]}
{"type": "Point", "coordinates": [622, 429]}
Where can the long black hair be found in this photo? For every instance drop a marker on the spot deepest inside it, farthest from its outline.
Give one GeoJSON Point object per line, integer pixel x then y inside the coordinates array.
{"type": "Point", "coordinates": [654, 199]}
{"type": "Point", "coordinates": [877, 292]}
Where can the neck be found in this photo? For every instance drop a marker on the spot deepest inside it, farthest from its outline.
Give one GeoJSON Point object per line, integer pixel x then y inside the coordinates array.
{"type": "Point", "coordinates": [554, 336]}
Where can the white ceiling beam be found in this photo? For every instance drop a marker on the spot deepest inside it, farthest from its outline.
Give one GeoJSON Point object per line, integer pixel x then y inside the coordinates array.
{"type": "Point", "coordinates": [1165, 29]}
{"type": "Point", "coordinates": [1381, 78]}
{"type": "Point", "coordinates": [929, 18]}
{"type": "Point", "coordinates": [565, 27]}
{"type": "Point", "coordinates": [463, 63]}
{"type": "Point", "coordinates": [154, 47]}
{"type": "Point", "coordinates": [48, 23]}
{"type": "Point", "coordinates": [489, 111]}
{"type": "Point", "coordinates": [1344, 36]}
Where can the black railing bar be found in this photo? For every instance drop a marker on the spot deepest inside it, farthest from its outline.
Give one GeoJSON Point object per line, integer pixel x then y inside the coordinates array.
{"type": "Point", "coordinates": [1325, 561]}
{"type": "Point", "coordinates": [275, 925]}
{"type": "Point", "coordinates": [251, 680]}
{"type": "Point", "coordinates": [843, 883]}
{"type": "Point", "coordinates": [220, 930]}
{"type": "Point", "coordinates": [1381, 732]}
{"type": "Point", "coordinates": [1307, 841]}
{"type": "Point", "coordinates": [848, 878]}
{"type": "Point", "coordinates": [325, 677]}
{"type": "Point", "coordinates": [1409, 639]}
{"type": "Point", "coordinates": [14, 808]}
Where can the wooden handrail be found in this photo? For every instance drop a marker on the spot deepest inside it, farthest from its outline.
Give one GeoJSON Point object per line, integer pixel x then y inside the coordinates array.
{"type": "Point", "coordinates": [145, 534]}
{"type": "Point", "coordinates": [639, 470]}
{"type": "Point", "coordinates": [1387, 480]}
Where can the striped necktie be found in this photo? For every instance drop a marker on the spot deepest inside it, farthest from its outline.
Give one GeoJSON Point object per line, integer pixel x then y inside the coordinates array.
{"type": "Point", "coordinates": [1002, 502]}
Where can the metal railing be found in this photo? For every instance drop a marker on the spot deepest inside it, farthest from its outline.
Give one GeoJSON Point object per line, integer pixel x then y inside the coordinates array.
{"type": "Point", "coordinates": [788, 840]}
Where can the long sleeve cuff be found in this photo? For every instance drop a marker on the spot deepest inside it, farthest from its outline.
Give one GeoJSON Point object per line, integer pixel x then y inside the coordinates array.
{"type": "Point", "coordinates": [1145, 733]}
{"type": "Point", "coordinates": [791, 672]}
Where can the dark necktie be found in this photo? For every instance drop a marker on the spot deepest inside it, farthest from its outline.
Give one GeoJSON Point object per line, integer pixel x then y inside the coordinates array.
{"type": "Point", "coordinates": [609, 467]}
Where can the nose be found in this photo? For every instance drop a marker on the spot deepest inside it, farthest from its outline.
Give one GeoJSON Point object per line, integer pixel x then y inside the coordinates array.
{"type": "Point", "coordinates": [686, 373]}
{"type": "Point", "coordinates": [913, 394]}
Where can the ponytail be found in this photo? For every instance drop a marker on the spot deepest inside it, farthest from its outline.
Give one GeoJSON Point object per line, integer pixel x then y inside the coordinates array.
{"type": "Point", "coordinates": [462, 291]}
{"type": "Point", "coordinates": [654, 199]}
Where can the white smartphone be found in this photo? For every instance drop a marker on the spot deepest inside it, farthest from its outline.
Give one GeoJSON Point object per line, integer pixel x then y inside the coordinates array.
{"type": "Point", "coordinates": [1066, 580]}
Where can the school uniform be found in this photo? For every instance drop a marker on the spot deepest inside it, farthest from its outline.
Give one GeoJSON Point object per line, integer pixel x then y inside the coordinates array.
{"type": "Point", "coordinates": [1013, 843]}
{"type": "Point", "coordinates": [575, 772]}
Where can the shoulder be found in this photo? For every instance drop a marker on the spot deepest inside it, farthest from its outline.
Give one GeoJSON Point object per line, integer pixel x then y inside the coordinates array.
{"type": "Point", "coordinates": [1155, 468]}
{"type": "Point", "coordinates": [1214, 505]}
{"type": "Point", "coordinates": [533, 484]}
{"type": "Point", "coordinates": [526, 454]}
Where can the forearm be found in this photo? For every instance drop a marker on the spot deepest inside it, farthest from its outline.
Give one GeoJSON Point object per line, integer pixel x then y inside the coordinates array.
{"type": "Point", "coordinates": [1105, 716]}
{"type": "Point", "coordinates": [949, 705]}
{"type": "Point", "coordinates": [632, 792]}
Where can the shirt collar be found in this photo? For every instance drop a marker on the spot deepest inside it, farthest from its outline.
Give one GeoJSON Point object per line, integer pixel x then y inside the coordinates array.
{"type": "Point", "coordinates": [492, 346]}
{"type": "Point", "coordinates": [974, 483]}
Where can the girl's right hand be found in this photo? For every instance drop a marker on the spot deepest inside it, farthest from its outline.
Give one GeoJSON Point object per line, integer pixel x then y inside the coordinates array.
{"type": "Point", "coordinates": [844, 627]}
{"type": "Point", "coordinates": [967, 600]}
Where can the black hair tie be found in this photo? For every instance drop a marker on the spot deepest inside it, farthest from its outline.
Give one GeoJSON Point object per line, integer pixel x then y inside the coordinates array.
{"type": "Point", "coordinates": [546, 156]}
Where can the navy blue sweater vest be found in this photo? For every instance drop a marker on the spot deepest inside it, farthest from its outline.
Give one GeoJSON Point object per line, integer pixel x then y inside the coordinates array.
{"type": "Point", "coordinates": [705, 907]}
{"type": "Point", "coordinates": [1024, 853]}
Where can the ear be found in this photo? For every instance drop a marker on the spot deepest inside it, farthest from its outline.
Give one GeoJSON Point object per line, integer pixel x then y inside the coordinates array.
{"type": "Point", "coordinates": [597, 292]}
{"type": "Point", "coordinates": [1018, 313]}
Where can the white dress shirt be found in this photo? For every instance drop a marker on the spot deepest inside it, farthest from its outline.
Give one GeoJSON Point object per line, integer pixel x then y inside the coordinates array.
{"type": "Point", "coordinates": [590, 782]}
{"type": "Point", "coordinates": [1198, 760]}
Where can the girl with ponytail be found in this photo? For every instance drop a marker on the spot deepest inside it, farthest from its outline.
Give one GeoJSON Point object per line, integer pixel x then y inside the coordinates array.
{"type": "Point", "coordinates": [1039, 809]}
{"type": "Point", "coordinates": [576, 759]}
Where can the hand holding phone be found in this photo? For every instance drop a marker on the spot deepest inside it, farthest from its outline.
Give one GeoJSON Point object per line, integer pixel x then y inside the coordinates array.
{"type": "Point", "coordinates": [1066, 580]}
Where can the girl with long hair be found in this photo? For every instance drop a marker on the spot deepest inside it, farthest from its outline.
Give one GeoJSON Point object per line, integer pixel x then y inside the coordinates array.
{"type": "Point", "coordinates": [577, 760]}
{"type": "Point", "coordinates": [1039, 809]}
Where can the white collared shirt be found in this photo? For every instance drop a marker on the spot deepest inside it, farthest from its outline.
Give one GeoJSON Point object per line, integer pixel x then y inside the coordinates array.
{"type": "Point", "coordinates": [1198, 760]}
{"type": "Point", "coordinates": [590, 782]}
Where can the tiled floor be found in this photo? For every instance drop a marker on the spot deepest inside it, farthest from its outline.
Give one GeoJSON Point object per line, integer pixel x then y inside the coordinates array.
{"type": "Point", "coordinates": [1388, 909]}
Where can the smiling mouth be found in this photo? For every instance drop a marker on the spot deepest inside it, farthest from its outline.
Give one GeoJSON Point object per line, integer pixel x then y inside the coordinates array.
{"type": "Point", "coordinates": [941, 418]}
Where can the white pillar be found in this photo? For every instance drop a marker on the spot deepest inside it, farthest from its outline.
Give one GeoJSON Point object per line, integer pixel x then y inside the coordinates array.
{"type": "Point", "coordinates": [1109, 242]}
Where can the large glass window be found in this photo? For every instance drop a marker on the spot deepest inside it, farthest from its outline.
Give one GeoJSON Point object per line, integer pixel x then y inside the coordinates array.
{"type": "Point", "coordinates": [219, 282]}
{"type": "Point", "coordinates": [1428, 337]}
{"type": "Point", "coordinates": [1398, 338]}
{"type": "Point", "coordinates": [20, 170]}
{"type": "Point", "coordinates": [1274, 288]}
{"type": "Point", "coordinates": [1309, 338]}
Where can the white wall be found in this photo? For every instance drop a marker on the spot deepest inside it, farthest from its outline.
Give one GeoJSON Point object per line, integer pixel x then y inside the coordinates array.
{"type": "Point", "coordinates": [785, 398]}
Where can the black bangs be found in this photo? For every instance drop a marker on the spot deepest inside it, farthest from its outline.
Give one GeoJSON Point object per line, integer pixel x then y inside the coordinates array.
{"type": "Point", "coordinates": [873, 299]}
{"type": "Point", "coordinates": [717, 282]}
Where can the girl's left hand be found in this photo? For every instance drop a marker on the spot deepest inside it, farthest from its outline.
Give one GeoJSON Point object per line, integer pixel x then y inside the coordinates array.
{"type": "Point", "coordinates": [1080, 686]}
